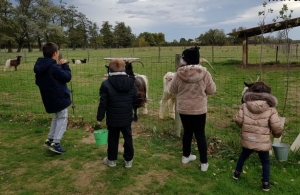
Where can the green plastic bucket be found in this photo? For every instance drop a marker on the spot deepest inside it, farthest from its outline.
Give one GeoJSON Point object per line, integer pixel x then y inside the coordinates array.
{"type": "Point", "coordinates": [281, 151]}
{"type": "Point", "coordinates": [101, 136]}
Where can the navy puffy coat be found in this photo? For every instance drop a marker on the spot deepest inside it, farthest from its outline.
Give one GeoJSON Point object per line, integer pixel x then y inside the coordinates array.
{"type": "Point", "coordinates": [117, 95]}
{"type": "Point", "coordinates": [52, 79]}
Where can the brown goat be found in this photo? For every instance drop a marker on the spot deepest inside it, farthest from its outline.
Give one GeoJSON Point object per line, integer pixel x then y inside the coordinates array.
{"type": "Point", "coordinates": [12, 63]}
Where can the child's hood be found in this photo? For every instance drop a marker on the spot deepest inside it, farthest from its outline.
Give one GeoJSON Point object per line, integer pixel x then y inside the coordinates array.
{"type": "Point", "coordinates": [42, 65]}
{"type": "Point", "coordinates": [259, 102]}
{"type": "Point", "coordinates": [191, 73]}
{"type": "Point", "coordinates": [122, 83]}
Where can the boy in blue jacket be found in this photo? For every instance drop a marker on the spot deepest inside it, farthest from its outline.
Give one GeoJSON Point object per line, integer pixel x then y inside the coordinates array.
{"type": "Point", "coordinates": [52, 76]}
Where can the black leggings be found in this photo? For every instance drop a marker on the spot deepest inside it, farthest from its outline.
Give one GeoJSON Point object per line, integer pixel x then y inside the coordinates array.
{"type": "Point", "coordinates": [194, 124]}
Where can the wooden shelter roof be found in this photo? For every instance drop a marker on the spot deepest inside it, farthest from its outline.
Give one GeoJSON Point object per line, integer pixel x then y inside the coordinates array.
{"type": "Point", "coordinates": [267, 28]}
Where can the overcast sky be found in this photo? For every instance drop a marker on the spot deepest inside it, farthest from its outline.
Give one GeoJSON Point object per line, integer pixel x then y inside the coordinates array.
{"type": "Point", "coordinates": [181, 18]}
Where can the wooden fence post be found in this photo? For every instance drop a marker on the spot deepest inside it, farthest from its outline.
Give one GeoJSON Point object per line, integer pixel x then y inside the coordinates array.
{"type": "Point", "coordinates": [177, 117]}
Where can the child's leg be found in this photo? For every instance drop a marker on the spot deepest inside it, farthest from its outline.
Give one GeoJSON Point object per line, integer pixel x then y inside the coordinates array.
{"type": "Point", "coordinates": [113, 143]}
{"type": "Point", "coordinates": [198, 123]}
{"type": "Point", "coordinates": [52, 127]}
{"type": "Point", "coordinates": [243, 157]}
{"type": "Point", "coordinates": [265, 162]}
{"type": "Point", "coordinates": [128, 143]}
{"type": "Point", "coordinates": [187, 134]}
{"type": "Point", "coordinates": [59, 125]}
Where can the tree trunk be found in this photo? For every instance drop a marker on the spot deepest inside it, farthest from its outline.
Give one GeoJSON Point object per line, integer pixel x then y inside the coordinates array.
{"type": "Point", "coordinates": [39, 43]}
{"type": "Point", "coordinates": [9, 47]}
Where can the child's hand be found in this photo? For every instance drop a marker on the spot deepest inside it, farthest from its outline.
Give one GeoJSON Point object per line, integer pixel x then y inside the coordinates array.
{"type": "Point", "coordinates": [62, 61]}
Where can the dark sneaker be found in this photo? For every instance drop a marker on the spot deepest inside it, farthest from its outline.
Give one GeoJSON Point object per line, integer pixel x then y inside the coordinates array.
{"type": "Point", "coordinates": [55, 147]}
{"type": "Point", "coordinates": [266, 186]}
{"type": "Point", "coordinates": [47, 143]}
{"type": "Point", "coordinates": [110, 163]}
{"type": "Point", "coordinates": [236, 175]}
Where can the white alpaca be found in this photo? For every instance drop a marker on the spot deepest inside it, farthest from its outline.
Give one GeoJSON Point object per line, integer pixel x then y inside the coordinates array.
{"type": "Point", "coordinates": [167, 97]}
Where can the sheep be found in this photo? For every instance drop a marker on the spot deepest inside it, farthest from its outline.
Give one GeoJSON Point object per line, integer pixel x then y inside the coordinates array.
{"type": "Point", "coordinates": [10, 63]}
{"type": "Point", "coordinates": [167, 97]}
{"type": "Point", "coordinates": [141, 83]}
{"type": "Point", "coordinates": [83, 61]}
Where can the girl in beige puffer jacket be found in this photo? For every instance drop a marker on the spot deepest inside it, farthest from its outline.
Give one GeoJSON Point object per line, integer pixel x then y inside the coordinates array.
{"type": "Point", "coordinates": [258, 119]}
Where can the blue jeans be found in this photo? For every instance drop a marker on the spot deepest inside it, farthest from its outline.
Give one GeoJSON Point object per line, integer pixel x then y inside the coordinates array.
{"type": "Point", "coordinates": [264, 159]}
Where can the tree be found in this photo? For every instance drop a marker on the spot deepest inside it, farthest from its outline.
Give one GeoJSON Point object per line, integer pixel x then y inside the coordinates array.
{"type": "Point", "coordinates": [93, 35]}
{"type": "Point", "coordinates": [107, 34]}
{"type": "Point", "coordinates": [123, 35]}
{"type": "Point", "coordinates": [8, 25]}
{"type": "Point", "coordinates": [46, 26]}
{"type": "Point", "coordinates": [285, 14]}
{"type": "Point", "coordinates": [262, 16]}
{"type": "Point", "coordinates": [213, 37]}
{"type": "Point", "coordinates": [234, 40]}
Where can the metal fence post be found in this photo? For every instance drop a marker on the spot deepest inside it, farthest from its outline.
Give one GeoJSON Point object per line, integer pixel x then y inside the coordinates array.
{"type": "Point", "coordinates": [177, 117]}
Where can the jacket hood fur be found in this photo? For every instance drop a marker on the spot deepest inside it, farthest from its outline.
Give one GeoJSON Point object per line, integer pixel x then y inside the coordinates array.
{"type": "Point", "coordinates": [259, 102]}
{"type": "Point", "coordinates": [191, 73]}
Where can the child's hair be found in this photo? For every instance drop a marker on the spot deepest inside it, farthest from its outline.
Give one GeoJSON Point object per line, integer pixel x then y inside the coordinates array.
{"type": "Point", "coordinates": [260, 87]}
{"type": "Point", "coordinates": [49, 49]}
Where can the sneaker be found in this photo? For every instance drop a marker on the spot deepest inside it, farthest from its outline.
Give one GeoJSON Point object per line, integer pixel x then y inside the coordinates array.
{"type": "Point", "coordinates": [266, 186]}
{"type": "Point", "coordinates": [186, 160]}
{"type": "Point", "coordinates": [128, 164]}
{"type": "Point", "coordinates": [55, 147]}
{"type": "Point", "coordinates": [236, 175]}
{"type": "Point", "coordinates": [204, 166]}
{"type": "Point", "coordinates": [110, 163]}
{"type": "Point", "coordinates": [48, 143]}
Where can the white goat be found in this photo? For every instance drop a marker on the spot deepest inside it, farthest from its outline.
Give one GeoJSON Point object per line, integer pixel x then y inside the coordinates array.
{"type": "Point", "coordinates": [167, 97]}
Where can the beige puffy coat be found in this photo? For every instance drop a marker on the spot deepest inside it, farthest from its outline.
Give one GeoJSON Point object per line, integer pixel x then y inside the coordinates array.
{"type": "Point", "coordinates": [258, 118]}
{"type": "Point", "coordinates": [192, 84]}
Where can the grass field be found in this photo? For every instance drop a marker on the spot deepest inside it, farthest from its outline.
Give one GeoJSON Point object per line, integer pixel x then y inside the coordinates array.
{"type": "Point", "coordinates": [27, 168]}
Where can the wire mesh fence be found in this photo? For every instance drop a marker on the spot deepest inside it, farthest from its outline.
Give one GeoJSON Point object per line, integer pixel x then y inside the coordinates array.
{"type": "Point", "coordinates": [20, 98]}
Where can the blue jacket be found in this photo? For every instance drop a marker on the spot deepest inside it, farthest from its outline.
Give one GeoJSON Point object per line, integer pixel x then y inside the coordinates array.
{"type": "Point", "coordinates": [52, 79]}
{"type": "Point", "coordinates": [117, 96]}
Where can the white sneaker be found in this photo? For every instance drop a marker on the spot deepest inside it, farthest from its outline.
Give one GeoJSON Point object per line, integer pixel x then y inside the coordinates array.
{"type": "Point", "coordinates": [204, 166]}
{"type": "Point", "coordinates": [188, 159]}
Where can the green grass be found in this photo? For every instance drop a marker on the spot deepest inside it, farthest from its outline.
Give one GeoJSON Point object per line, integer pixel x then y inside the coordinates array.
{"type": "Point", "coordinates": [26, 167]}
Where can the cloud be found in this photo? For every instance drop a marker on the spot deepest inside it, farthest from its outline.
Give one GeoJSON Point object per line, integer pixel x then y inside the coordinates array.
{"type": "Point", "coordinates": [177, 18]}
{"type": "Point", "coordinates": [126, 1]}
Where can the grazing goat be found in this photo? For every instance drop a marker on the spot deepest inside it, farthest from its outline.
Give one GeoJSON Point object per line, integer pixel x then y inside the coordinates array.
{"type": "Point", "coordinates": [12, 63]}
{"type": "Point", "coordinates": [79, 61]}
{"type": "Point", "coordinates": [141, 83]}
{"type": "Point", "coordinates": [83, 61]}
{"type": "Point", "coordinates": [167, 97]}
{"type": "Point", "coordinates": [248, 85]}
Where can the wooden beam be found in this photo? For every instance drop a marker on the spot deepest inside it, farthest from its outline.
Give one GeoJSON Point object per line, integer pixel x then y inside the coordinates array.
{"type": "Point", "coordinates": [245, 50]}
